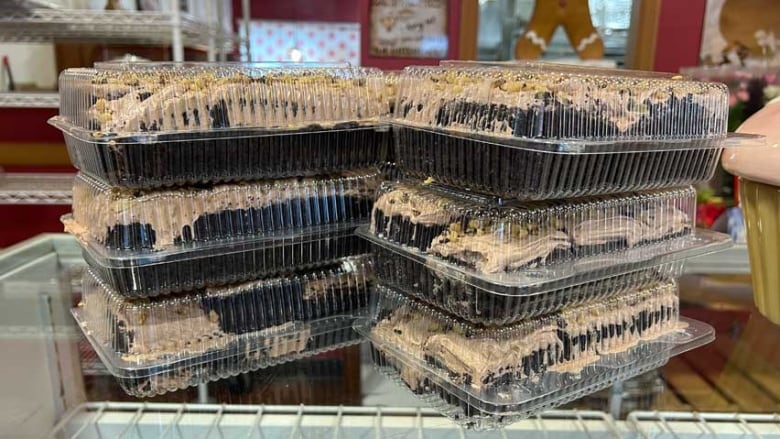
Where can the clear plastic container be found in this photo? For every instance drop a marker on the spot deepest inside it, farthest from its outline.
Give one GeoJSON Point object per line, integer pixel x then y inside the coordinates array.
{"type": "Point", "coordinates": [132, 221]}
{"type": "Point", "coordinates": [157, 124]}
{"type": "Point", "coordinates": [146, 243]}
{"type": "Point", "coordinates": [485, 378]}
{"type": "Point", "coordinates": [271, 347]}
{"type": "Point", "coordinates": [495, 236]}
{"type": "Point", "coordinates": [495, 263]}
{"type": "Point", "coordinates": [148, 274]}
{"type": "Point", "coordinates": [389, 97]}
{"type": "Point", "coordinates": [230, 327]}
{"type": "Point", "coordinates": [545, 131]}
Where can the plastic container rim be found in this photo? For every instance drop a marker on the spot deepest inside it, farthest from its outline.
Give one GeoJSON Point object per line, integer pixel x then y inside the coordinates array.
{"type": "Point", "coordinates": [699, 243]}
{"type": "Point", "coordinates": [198, 250]}
{"type": "Point", "coordinates": [123, 369]}
{"type": "Point", "coordinates": [231, 133]}
{"type": "Point", "coordinates": [584, 146]}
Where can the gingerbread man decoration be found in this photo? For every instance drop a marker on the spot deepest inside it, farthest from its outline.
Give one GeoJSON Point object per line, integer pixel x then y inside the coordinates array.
{"type": "Point", "coordinates": [574, 16]}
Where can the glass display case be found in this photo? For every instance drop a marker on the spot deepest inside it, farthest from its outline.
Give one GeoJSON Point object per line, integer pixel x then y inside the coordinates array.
{"type": "Point", "coordinates": [54, 385]}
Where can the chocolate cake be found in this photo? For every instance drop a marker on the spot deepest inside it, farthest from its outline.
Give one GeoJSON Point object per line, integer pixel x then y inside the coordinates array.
{"type": "Point", "coordinates": [549, 132]}
{"type": "Point", "coordinates": [305, 341]}
{"type": "Point", "coordinates": [480, 415]}
{"type": "Point", "coordinates": [492, 237]}
{"type": "Point", "coordinates": [163, 124]}
{"type": "Point", "coordinates": [146, 243]}
{"type": "Point", "coordinates": [465, 364]}
{"type": "Point", "coordinates": [155, 331]}
{"type": "Point", "coordinates": [484, 302]}
{"type": "Point", "coordinates": [152, 220]}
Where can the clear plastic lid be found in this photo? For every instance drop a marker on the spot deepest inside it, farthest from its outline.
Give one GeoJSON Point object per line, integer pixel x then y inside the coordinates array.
{"type": "Point", "coordinates": [274, 347]}
{"type": "Point", "coordinates": [552, 102]}
{"type": "Point", "coordinates": [140, 101]}
{"type": "Point", "coordinates": [134, 222]}
{"type": "Point", "coordinates": [492, 237]}
{"type": "Point", "coordinates": [390, 91]}
{"type": "Point", "coordinates": [214, 322]}
{"type": "Point", "coordinates": [493, 375]}
{"type": "Point", "coordinates": [417, 233]}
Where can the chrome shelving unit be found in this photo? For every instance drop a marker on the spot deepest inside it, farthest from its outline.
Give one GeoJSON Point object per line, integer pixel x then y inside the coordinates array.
{"type": "Point", "coordinates": [685, 425]}
{"type": "Point", "coordinates": [174, 28]}
{"type": "Point", "coordinates": [36, 188]}
{"type": "Point", "coordinates": [147, 420]}
{"type": "Point", "coordinates": [29, 100]}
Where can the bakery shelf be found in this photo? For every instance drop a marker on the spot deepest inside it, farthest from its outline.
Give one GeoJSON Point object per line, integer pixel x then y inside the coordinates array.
{"type": "Point", "coordinates": [146, 420]}
{"type": "Point", "coordinates": [29, 100]}
{"type": "Point", "coordinates": [125, 27]}
{"type": "Point", "coordinates": [36, 188]}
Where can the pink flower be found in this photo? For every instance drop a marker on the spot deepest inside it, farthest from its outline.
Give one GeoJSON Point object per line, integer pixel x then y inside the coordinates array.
{"type": "Point", "coordinates": [732, 99]}
{"type": "Point", "coordinates": [770, 78]}
{"type": "Point", "coordinates": [743, 95]}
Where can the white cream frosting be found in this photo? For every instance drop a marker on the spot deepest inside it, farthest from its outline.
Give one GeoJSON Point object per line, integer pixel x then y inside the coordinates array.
{"type": "Point", "coordinates": [760, 163]}
{"type": "Point", "coordinates": [620, 99]}
{"type": "Point", "coordinates": [96, 209]}
{"type": "Point", "coordinates": [491, 253]}
{"type": "Point", "coordinates": [412, 206]}
{"type": "Point", "coordinates": [652, 224]}
{"type": "Point", "coordinates": [171, 101]}
{"type": "Point", "coordinates": [422, 335]}
{"type": "Point", "coordinates": [585, 42]}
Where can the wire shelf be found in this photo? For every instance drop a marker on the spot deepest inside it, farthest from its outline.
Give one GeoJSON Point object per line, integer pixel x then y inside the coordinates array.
{"type": "Point", "coordinates": [146, 420]}
{"type": "Point", "coordinates": [33, 188]}
{"type": "Point", "coordinates": [29, 100]}
{"type": "Point", "coordinates": [685, 425]}
{"type": "Point", "coordinates": [113, 26]}
{"type": "Point", "coordinates": [730, 261]}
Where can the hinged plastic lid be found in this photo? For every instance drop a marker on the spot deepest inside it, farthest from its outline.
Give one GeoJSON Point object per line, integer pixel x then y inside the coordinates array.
{"type": "Point", "coordinates": [569, 274]}
{"type": "Point", "coordinates": [530, 380]}
{"type": "Point", "coordinates": [557, 108]}
{"type": "Point", "coordinates": [137, 102]}
{"type": "Point", "coordinates": [137, 338]}
{"type": "Point", "coordinates": [152, 222]}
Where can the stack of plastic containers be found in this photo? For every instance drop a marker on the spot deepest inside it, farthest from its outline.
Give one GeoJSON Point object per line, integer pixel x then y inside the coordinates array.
{"type": "Point", "coordinates": [531, 257]}
{"type": "Point", "coordinates": [216, 207]}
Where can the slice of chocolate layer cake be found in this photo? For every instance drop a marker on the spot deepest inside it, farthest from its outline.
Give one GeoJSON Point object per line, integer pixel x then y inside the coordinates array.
{"type": "Point", "coordinates": [535, 131]}
{"type": "Point", "coordinates": [486, 359]}
{"type": "Point", "coordinates": [154, 220]}
{"type": "Point", "coordinates": [433, 352]}
{"type": "Point", "coordinates": [150, 332]}
{"type": "Point", "coordinates": [149, 243]}
{"type": "Point", "coordinates": [493, 237]}
{"type": "Point", "coordinates": [162, 124]}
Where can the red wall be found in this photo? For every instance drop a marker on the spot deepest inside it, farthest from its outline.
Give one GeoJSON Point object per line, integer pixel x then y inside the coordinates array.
{"type": "Point", "coordinates": [348, 11]}
{"type": "Point", "coordinates": [680, 27]}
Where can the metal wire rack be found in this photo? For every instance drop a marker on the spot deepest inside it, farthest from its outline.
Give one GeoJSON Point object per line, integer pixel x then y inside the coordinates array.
{"type": "Point", "coordinates": [684, 425]}
{"type": "Point", "coordinates": [146, 420]}
{"type": "Point", "coordinates": [125, 27]}
{"type": "Point", "coordinates": [29, 100]}
{"type": "Point", "coordinates": [32, 188]}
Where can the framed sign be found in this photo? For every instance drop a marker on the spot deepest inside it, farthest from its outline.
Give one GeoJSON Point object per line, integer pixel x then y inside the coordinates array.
{"type": "Point", "coordinates": [409, 28]}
